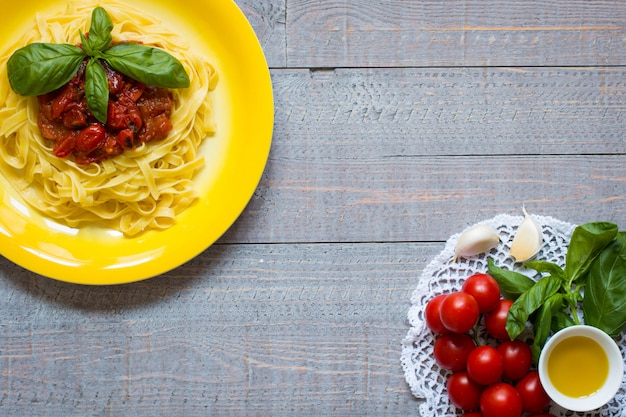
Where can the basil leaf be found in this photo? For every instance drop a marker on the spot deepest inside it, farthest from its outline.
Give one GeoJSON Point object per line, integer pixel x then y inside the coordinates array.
{"type": "Point", "coordinates": [528, 302]}
{"type": "Point", "coordinates": [604, 302]}
{"type": "Point", "coordinates": [562, 320]}
{"type": "Point", "coordinates": [545, 267]}
{"type": "Point", "coordinates": [586, 243]}
{"type": "Point", "coordinates": [542, 324]}
{"type": "Point", "coordinates": [100, 31]}
{"type": "Point", "coordinates": [97, 90]}
{"type": "Point", "coordinates": [512, 284]}
{"type": "Point", "coordinates": [40, 68]}
{"type": "Point", "coordinates": [148, 65]}
{"type": "Point", "coordinates": [86, 44]}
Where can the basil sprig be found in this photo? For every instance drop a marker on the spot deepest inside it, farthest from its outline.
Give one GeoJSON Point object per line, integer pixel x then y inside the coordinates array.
{"type": "Point", "coordinates": [41, 68]}
{"type": "Point", "coordinates": [595, 261]}
{"type": "Point", "coordinates": [604, 304]}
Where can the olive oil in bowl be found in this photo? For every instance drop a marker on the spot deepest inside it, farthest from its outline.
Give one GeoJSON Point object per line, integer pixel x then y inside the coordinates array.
{"type": "Point", "coordinates": [578, 366]}
{"type": "Point", "coordinates": [581, 368]}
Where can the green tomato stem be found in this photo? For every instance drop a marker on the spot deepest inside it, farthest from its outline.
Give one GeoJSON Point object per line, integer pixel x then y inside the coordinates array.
{"type": "Point", "coordinates": [474, 335]}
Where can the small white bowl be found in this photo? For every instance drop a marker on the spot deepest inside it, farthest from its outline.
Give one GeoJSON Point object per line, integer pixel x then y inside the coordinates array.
{"type": "Point", "coordinates": [613, 380]}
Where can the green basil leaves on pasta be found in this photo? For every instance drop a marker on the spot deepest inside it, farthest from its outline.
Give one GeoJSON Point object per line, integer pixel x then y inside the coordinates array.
{"type": "Point", "coordinates": [150, 66]}
{"type": "Point", "coordinates": [99, 38]}
{"type": "Point", "coordinates": [97, 89]}
{"type": "Point", "coordinates": [41, 68]}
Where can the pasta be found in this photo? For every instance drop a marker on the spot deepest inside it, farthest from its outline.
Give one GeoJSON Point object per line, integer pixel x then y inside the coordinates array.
{"type": "Point", "coordinates": [141, 189]}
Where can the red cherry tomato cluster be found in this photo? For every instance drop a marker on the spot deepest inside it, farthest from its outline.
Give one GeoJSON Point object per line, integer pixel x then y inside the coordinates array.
{"type": "Point", "coordinates": [486, 380]}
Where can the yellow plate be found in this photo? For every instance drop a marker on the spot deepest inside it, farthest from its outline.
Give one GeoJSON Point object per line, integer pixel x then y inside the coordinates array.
{"type": "Point", "coordinates": [235, 159]}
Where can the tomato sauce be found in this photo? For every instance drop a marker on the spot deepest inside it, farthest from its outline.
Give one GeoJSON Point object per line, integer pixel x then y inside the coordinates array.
{"type": "Point", "coordinates": [137, 113]}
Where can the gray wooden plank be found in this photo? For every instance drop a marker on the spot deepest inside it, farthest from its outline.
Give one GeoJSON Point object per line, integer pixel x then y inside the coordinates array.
{"type": "Point", "coordinates": [364, 33]}
{"type": "Point", "coordinates": [370, 113]}
{"type": "Point", "coordinates": [424, 198]}
{"type": "Point", "coordinates": [277, 330]}
{"type": "Point", "coordinates": [267, 18]}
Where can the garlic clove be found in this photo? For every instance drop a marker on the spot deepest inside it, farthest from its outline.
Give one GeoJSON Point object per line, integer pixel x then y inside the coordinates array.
{"type": "Point", "coordinates": [528, 239]}
{"type": "Point", "coordinates": [476, 240]}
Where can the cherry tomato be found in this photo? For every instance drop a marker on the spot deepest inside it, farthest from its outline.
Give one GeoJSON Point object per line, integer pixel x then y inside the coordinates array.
{"type": "Point", "coordinates": [64, 147]}
{"type": "Point", "coordinates": [459, 312]}
{"type": "Point", "coordinates": [473, 414]}
{"type": "Point", "coordinates": [485, 290]}
{"type": "Point", "coordinates": [495, 320]}
{"type": "Point", "coordinates": [463, 392]}
{"type": "Point", "coordinates": [516, 358]}
{"type": "Point", "coordinates": [90, 138]}
{"type": "Point", "coordinates": [501, 400]}
{"type": "Point", "coordinates": [125, 139]}
{"type": "Point", "coordinates": [534, 397]}
{"type": "Point", "coordinates": [451, 350]}
{"type": "Point", "coordinates": [432, 315]}
{"type": "Point", "coordinates": [484, 365]}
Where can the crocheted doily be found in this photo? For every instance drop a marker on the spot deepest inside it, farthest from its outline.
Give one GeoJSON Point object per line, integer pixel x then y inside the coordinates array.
{"type": "Point", "coordinates": [425, 377]}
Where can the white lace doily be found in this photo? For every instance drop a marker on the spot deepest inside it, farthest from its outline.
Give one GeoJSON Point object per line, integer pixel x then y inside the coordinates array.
{"type": "Point", "coordinates": [425, 377]}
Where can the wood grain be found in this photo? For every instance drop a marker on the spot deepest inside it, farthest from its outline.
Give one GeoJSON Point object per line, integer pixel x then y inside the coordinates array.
{"type": "Point", "coordinates": [415, 198]}
{"type": "Point", "coordinates": [458, 33]}
{"type": "Point", "coordinates": [349, 114]}
{"type": "Point", "coordinates": [267, 18]}
{"type": "Point", "coordinates": [241, 330]}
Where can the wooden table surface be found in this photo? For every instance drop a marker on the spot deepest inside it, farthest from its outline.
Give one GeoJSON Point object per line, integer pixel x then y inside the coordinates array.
{"type": "Point", "coordinates": [397, 124]}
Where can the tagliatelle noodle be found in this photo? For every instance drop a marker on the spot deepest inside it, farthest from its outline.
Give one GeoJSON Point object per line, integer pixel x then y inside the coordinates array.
{"type": "Point", "coordinates": [141, 189]}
